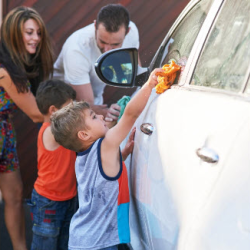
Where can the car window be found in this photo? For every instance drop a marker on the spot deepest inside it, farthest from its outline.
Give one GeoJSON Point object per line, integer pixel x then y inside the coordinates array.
{"type": "Point", "coordinates": [225, 58]}
{"type": "Point", "coordinates": [181, 42]}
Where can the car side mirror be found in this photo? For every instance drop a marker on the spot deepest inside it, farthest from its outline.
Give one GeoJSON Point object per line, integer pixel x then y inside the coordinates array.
{"type": "Point", "coordinates": [118, 67]}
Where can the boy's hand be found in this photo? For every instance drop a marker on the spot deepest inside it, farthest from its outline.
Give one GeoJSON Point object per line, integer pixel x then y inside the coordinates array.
{"type": "Point", "coordinates": [152, 80]}
{"type": "Point", "coordinates": [128, 149]}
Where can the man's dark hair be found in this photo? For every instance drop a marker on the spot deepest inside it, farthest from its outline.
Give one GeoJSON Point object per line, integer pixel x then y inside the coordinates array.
{"type": "Point", "coordinates": [53, 92]}
{"type": "Point", "coordinates": [113, 17]}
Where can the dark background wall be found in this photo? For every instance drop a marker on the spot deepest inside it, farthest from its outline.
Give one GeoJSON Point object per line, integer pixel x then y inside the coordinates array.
{"type": "Point", "coordinates": [62, 17]}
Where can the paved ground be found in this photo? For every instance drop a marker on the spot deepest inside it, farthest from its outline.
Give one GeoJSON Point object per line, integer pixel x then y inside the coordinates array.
{"type": "Point", "coordinates": [5, 243]}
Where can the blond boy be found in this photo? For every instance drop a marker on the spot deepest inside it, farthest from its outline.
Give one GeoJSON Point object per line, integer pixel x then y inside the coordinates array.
{"type": "Point", "coordinates": [102, 220]}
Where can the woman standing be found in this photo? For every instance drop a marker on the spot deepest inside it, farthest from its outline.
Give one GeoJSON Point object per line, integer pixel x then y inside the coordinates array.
{"type": "Point", "coordinates": [25, 60]}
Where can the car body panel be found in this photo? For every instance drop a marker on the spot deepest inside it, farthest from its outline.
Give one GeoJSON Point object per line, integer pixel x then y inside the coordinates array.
{"type": "Point", "coordinates": [172, 192]}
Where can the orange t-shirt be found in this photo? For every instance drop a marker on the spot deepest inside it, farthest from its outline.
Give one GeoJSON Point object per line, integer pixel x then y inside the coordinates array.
{"type": "Point", "coordinates": [56, 171]}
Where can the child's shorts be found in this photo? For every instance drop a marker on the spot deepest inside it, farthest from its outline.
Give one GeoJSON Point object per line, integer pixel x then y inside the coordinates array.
{"type": "Point", "coordinates": [51, 220]}
{"type": "Point", "coordinates": [8, 154]}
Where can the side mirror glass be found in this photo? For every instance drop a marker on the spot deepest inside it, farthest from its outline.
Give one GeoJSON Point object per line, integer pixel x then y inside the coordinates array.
{"type": "Point", "coordinates": [118, 67]}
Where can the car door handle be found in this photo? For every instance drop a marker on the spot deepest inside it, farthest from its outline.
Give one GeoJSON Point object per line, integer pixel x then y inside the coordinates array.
{"type": "Point", "coordinates": [207, 155]}
{"type": "Point", "coordinates": [147, 128]}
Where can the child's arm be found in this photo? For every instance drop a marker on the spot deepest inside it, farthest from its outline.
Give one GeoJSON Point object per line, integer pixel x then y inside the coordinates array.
{"type": "Point", "coordinates": [49, 141]}
{"type": "Point", "coordinates": [128, 149]}
{"type": "Point", "coordinates": [133, 109]}
{"type": "Point", "coordinates": [114, 137]}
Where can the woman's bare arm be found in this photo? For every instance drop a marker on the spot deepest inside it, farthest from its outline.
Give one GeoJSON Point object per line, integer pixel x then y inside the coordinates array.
{"type": "Point", "coordinates": [25, 101]}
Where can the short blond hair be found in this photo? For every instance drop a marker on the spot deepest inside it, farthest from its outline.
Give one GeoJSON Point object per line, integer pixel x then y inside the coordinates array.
{"type": "Point", "coordinates": [67, 122]}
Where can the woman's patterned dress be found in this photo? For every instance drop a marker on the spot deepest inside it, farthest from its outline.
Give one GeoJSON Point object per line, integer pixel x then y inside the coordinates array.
{"type": "Point", "coordinates": [8, 154]}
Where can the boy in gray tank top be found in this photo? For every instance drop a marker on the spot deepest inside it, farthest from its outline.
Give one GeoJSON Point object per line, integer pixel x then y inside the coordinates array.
{"type": "Point", "coordinates": [102, 220]}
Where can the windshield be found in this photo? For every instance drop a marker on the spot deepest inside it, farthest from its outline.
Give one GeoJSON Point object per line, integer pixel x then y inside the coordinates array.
{"type": "Point", "coordinates": [226, 56]}
{"type": "Point", "coordinates": [181, 42]}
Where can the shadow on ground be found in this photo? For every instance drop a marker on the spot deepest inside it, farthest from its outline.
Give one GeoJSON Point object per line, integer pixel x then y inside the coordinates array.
{"type": "Point", "coordinates": [5, 243]}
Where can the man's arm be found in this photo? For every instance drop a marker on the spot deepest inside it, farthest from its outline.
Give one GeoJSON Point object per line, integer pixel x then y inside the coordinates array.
{"type": "Point", "coordinates": [139, 60]}
{"type": "Point", "coordinates": [76, 68]}
{"type": "Point", "coordinates": [85, 93]}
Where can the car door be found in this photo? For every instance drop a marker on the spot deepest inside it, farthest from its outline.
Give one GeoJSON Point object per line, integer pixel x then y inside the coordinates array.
{"type": "Point", "coordinates": [190, 179]}
{"type": "Point", "coordinates": [144, 226]}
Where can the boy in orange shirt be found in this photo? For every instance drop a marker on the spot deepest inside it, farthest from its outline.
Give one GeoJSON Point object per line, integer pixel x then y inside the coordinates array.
{"type": "Point", "coordinates": [53, 201]}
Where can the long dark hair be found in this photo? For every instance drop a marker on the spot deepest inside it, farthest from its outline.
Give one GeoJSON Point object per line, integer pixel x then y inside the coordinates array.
{"type": "Point", "coordinates": [20, 65]}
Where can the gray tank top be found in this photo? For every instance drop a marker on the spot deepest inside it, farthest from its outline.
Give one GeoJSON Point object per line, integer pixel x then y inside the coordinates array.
{"type": "Point", "coordinates": [102, 219]}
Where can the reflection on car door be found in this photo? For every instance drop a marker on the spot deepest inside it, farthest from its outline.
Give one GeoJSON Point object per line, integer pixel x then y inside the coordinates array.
{"type": "Point", "coordinates": [197, 186]}
{"type": "Point", "coordinates": [184, 202]}
{"type": "Point", "coordinates": [160, 230]}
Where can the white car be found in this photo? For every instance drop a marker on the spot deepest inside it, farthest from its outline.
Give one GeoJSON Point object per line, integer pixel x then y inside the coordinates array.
{"type": "Point", "coordinates": [190, 168]}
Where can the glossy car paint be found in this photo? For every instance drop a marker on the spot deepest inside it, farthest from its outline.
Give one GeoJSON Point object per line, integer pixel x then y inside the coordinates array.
{"type": "Point", "coordinates": [178, 200]}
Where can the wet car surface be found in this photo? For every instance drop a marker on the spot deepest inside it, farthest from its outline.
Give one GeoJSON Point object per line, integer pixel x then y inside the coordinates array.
{"type": "Point", "coordinates": [190, 168]}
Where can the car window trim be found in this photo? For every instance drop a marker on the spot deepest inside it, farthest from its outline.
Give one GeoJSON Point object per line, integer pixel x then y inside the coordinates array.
{"type": "Point", "coordinates": [155, 61]}
{"type": "Point", "coordinates": [246, 82]}
{"type": "Point", "coordinates": [187, 81]}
